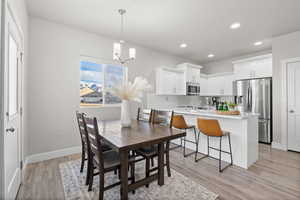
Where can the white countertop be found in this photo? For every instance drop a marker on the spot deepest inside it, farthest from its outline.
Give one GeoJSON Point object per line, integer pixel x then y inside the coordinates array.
{"type": "Point", "coordinates": [211, 113]}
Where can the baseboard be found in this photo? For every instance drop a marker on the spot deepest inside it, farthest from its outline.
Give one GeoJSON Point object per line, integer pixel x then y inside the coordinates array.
{"type": "Point", "coordinates": [52, 154]}
{"type": "Point", "coordinates": [279, 146]}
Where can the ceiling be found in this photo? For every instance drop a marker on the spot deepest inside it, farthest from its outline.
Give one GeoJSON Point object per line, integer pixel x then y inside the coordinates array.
{"type": "Point", "coordinates": [164, 24]}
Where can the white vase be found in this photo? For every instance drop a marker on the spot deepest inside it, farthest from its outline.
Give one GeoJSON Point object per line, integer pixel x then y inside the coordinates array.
{"type": "Point", "coordinates": [125, 114]}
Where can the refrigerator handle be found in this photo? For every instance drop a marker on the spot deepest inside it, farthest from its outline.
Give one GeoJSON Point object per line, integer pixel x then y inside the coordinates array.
{"type": "Point", "coordinates": [248, 98]}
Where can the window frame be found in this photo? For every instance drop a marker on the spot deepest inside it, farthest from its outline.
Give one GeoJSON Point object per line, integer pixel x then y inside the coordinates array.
{"type": "Point", "coordinates": [102, 62]}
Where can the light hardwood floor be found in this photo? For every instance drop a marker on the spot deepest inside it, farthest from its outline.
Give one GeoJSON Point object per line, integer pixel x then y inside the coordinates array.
{"type": "Point", "coordinates": [275, 176]}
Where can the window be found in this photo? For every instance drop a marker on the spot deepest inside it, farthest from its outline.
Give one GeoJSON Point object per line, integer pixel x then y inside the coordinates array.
{"type": "Point", "coordinates": [96, 78]}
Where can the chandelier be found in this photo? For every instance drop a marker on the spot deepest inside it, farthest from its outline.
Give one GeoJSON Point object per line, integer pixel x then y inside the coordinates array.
{"type": "Point", "coordinates": [117, 46]}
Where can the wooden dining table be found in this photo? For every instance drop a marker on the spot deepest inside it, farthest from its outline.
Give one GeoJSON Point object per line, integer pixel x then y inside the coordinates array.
{"type": "Point", "coordinates": [140, 134]}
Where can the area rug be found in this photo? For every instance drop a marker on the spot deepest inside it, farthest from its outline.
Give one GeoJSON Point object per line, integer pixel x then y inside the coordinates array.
{"type": "Point", "coordinates": [176, 187]}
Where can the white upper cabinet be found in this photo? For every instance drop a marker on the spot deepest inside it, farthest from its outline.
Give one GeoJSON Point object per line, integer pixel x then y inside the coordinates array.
{"type": "Point", "coordinates": [173, 81]}
{"type": "Point", "coordinates": [193, 75]}
{"type": "Point", "coordinates": [192, 72]}
{"type": "Point", "coordinates": [257, 67]}
{"type": "Point", "coordinates": [170, 81]}
{"type": "Point", "coordinates": [220, 84]}
{"type": "Point", "coordinates": [203, 85]}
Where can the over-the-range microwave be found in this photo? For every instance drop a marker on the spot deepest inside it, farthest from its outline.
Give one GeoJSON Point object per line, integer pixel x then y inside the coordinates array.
{"type": "Point", "coordinates": [192, 89]}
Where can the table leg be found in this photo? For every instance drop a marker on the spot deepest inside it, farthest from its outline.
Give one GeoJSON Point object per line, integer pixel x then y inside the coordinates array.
{"type": "Point", "coordinates": [161, 163]}
{"type": "Point", "coordinates": [124, 175]}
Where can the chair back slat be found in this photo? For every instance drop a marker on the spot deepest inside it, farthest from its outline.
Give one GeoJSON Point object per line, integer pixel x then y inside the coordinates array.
{"type": "Point", "coordinates": [94, 138]}
{"type": "Point", "coordinates": [142, 115]}
{"type": "Point", "coordinates": [162, 117]}
{"type": "Point", "coordinates": [81, 126]}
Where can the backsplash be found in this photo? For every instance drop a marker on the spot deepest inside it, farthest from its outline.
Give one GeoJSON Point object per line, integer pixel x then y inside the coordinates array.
{"type": "Point", "coordinates": [165, 101]}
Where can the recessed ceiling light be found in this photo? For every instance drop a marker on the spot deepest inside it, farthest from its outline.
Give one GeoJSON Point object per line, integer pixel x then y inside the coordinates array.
{"type": "Point", "coordinates": [235, 25]}
{"type": "Point", "coordinates": [258, 43]}
{"type": "Point", "coordinates": [183, 45]}
{"type": "Point", "coordinates": [211, 55]}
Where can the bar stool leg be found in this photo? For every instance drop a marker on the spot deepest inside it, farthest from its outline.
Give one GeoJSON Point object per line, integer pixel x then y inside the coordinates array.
{"type": "Point", "coordinates": [184, 147]}
{"type": "Point", "coordinates": [197, 143]}
{"type": "Point", "coordinates": [220, 155]}
{"type": "Point", "coordinates": [230, 149]}
{"type": "Point", "coordinates": [207, 145]}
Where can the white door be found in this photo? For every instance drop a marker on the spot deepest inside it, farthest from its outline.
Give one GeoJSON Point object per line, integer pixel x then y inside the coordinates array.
{"type": "Point", "coordinates": [12, 106]}
{"type": "Point", "coordinates": [294, 106]}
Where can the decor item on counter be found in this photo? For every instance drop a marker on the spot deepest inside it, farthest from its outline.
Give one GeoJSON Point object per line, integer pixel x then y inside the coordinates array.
{"type": "Point", "coordinates": [225, 107]}
{"type": "Point", "coordinates": [129, 91]}
{"type": "Point", "coordinates": [117, 47]}
{"type": "Point", "coordinates": [220, 106]}
{"type": "Point", "coordinates": [232, 106]}
{"type": "Point", "coordinates": [233, 112]}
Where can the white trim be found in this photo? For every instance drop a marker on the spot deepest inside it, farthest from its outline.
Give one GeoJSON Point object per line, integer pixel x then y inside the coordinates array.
{"type": "Point", "coordinates": [102, 106]}
{"type": "Point", "coordinates": [219, 74]}
{"type": "Point", "coordinates": [284, 101]}
{"type": "Point", "coordinates": [279, 146]}
{"type": "Point", "coordinates": [202, 75]}
{"type": "Point", "coordinates": [252, 58]}
{"type": "Point", "coordinates": [52, 154]}
{"type": "Point", "coordinates": [189, 65]}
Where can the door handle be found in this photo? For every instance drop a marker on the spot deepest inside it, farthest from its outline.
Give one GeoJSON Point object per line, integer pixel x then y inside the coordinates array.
{"type": "Point", "coordinates": [292, 111]}
{"type": "Point", "coordinates": [10, 130]}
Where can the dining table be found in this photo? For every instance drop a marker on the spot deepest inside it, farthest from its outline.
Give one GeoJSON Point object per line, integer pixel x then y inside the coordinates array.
{"type": "Point", "coordinates": [139, 134]}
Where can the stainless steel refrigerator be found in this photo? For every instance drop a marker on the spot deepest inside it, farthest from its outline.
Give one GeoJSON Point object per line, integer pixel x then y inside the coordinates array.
{"type": "Point", "coordinates": [255, 95]}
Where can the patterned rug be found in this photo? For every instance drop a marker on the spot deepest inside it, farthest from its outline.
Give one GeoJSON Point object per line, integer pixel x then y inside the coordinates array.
{"type": "Point", "coordinates": [176, 187]}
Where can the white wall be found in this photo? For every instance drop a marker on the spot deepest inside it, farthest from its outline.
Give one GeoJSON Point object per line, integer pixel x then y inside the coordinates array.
{"type": "Point", "coordinates": [226, 65]}
{"type": "Point", "coordinates": [53, 81]}
{"type": "Point", "coordinates": [284, 47]}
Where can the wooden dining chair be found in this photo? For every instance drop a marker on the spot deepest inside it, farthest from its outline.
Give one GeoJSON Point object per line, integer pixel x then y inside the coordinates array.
{"type": "Point", "coordinates": [150, 152]}
{"type": "Point", "coordinates": [180, 123]}
{"type": "Point", "coordinates": [211, 128]}
{"type": "Point", "coordinates": [144, 115]}
{"type": "Point", "coordinates": [104, 161]}
{"type": "Point", "coordinates": [84, 143]}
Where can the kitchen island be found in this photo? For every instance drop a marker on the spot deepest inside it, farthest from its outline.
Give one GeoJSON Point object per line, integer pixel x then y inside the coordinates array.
{"type": "Point", "coordinates": [244, 135]}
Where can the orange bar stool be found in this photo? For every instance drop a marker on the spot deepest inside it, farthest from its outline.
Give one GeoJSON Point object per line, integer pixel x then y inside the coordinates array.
{"type": "Point", "coordinates": [178, 122]}
{"type": "Point", "coordinates": [212, 128]}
